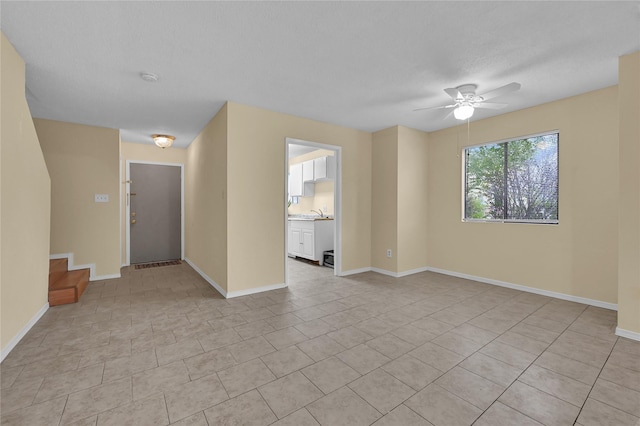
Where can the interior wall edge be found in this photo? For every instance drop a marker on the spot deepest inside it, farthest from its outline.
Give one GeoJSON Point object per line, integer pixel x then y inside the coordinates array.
{"type": "Point", "coordinates": [254, 290]}
{"type": "Point", "coordinates": [18, 337]}
{"type": "Point", "coordinates": [207, 278]}
{"type": "Point", "coordinates": [356, 271]}
{"type": "Point", "coordinates": [401, 273]}
{"type": "Point", "coordinates": [25, 199]}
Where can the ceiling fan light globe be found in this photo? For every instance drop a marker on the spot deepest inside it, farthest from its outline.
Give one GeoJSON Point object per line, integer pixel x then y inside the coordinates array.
{"type": "Point", "coordinates": [463, 112]}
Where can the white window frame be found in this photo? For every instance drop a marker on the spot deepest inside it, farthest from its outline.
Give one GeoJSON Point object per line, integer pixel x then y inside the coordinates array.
{"type": "Point", "coordinates": [463, 157]}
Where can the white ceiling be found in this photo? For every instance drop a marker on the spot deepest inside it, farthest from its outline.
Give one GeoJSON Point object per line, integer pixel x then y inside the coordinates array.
{"type": "Point", "coordinates": [364, 65]}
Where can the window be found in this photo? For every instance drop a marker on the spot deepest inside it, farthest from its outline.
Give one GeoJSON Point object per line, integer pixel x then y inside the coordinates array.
{"type": "Point", "coordinates": [513, 181]}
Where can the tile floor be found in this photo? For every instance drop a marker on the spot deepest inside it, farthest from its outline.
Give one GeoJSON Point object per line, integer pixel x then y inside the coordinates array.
{"type": "Point", "coordinates": [159, 346]}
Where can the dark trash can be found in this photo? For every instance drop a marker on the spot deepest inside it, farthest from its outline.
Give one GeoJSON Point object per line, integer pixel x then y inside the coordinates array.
{"type": "Point", "coordinates": [327, 258]}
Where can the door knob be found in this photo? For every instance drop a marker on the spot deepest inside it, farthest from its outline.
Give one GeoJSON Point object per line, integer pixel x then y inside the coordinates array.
{"type": "Point", "coordinates": [133, 221]}
{"type": "Point", "coordinates": [133, 214]}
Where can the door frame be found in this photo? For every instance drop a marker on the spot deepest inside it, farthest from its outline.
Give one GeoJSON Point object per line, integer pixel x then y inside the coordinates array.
{"type": "Point", "coordinates": [128, 204]}
{"type": "Point", "coordinates": [337, 203]}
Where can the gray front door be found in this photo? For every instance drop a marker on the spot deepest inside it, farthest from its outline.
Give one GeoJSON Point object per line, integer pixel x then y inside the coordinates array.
{"type": "Point", "coordinates": [155, 212]}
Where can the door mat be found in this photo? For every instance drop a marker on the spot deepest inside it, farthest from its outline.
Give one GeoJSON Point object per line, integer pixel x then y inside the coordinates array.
{"type": "Point", "coordinates": [158, 264]}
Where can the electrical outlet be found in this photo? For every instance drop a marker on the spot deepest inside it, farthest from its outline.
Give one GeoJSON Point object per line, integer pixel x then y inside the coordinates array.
{"type": "Point", "coordinates": [101, 198]}
{"type": "Point", "coordinates": [389, 253]}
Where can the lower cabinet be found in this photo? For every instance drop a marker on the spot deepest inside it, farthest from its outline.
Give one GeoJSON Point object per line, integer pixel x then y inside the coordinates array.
{"type": "Point", "coordinates": [310, 238]}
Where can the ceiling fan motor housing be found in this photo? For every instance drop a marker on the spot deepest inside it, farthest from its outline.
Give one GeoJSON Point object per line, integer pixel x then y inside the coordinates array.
{"type": "Point", "coordinates": [468, 92]}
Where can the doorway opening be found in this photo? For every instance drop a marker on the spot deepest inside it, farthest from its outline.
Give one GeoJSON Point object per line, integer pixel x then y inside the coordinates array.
{"type": "Point", "coordinates": [154, 212]}
{"type": "Point", "coordinates": [313, 219]}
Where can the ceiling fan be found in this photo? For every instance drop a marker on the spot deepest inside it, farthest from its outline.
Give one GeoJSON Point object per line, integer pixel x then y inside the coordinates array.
{"type": "Point", "coordinates": [466, 101]}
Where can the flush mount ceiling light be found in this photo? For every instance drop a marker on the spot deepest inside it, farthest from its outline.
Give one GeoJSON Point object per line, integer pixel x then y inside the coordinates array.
{"type": "Point", "coordinates": [163, 141]}
{"type": "Point", "coordinates": [149, 77]}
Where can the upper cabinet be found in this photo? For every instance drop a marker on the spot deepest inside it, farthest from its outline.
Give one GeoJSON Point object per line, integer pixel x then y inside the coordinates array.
{"type": "Point", "coordinates": [295, 180]}
{"type": "Point", "coordinates": [324, 168]}
{"type": "Point", "coordinates": [303, 175]}
{"type": "Point", "coordinates": [307, 171]}
{"type": "Point", "coordinates": [297, 186]}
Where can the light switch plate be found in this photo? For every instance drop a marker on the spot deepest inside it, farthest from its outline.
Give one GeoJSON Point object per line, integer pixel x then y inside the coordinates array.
{"type": "Point", "coordinates": [101, 198]}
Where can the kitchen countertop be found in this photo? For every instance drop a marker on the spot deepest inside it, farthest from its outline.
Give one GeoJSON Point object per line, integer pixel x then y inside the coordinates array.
{"type": "Point", "coordinates": [308, 217]}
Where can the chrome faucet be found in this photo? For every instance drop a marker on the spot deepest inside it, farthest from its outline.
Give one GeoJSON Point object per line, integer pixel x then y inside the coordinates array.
{"type": "Point", "coordinates": [318, 212]}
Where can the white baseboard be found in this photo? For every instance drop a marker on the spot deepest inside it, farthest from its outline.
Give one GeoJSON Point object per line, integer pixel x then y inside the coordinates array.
{"type": "Point", "coordinates": [355, 271]}
{"type": "Point", "coordinates": [384, 272]}
{"type": "Point", "coordinates": [16, 339]}
{"type": "Point", "coordinates": [399, 274]}
{"type": "Point", "coordinates": [562, 296]}
{"type": "Point", "coordinates": [232, 294]}
{"type": "Point", "coordinates": [577, 299]}
{"type": "Point", "coordinates": [90, 266]}
{"type": "Point", "coordinates": [412, 271]}
{"type": "Point", "coordinates": [628, 334]}
{"type": "Point", "coordinates": [207, 278]}
{"type": "Point", "coordinates": [105, 277]}
{"type": "Point", "coordinates": [255, 290]}
{"type": "Point", "coordinates": [67, 256]}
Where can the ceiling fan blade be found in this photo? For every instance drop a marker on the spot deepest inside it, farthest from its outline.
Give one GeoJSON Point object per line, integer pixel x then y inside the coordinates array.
{"type": "Point", "coordinates": [454, 93]}
{"type": "Point", "coordinates": [489, 105]}
{"type": "Point", "coordinates": [448, 115]}
{"type": "Point", "coordinates": [511, 87]}
{"type": "Point", "coordinates": [438, 107]}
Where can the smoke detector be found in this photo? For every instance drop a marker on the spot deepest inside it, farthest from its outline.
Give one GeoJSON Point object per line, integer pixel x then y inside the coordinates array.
{"type": "Point", "coordinates": [149, 77]}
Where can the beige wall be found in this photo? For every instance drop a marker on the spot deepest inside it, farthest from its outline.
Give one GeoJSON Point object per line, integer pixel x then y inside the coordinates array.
{"type": "Point", "coordinates": [384, 199]}
{"type": "Point", "coordinates": [412, 199]}
{"type": "Point", "coordinates": [83, 161]}
{"type": "Point", "coordinates": [24, 206]}
{"type": "Point", "coordinates": [399, 199]}
{"type": "Point", "coordinates": [206, 230]}
{"type": "Point", "coordinates": [629, 175]}
{"type": "Point", "coordinates": [323, 199]}
{"type": "Point", "coordinates": [323, 196]}
{"type": "Point", "coordinates": [142, 152]}
{"type": "Point", "coordinates": [576, 257]}
{"type": "Point", "coordinates": [256, 151]}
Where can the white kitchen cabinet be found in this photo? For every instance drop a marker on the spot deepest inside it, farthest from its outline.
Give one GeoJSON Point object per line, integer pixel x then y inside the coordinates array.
{"type": "Point", "coordinates": [297, 187]}
{"type": "Point", "coordinates": [310, 238]}
{"type": "Point", "coordinates": [295, 180]}
{"type": "Point", "coordinates": [308, 246]}
{"type": "Point", "coordinates": [308, 171]}
{"type": "Point", "coordinates": [294, 240]}
{"type": "Point", "coordinates": [324, 168]}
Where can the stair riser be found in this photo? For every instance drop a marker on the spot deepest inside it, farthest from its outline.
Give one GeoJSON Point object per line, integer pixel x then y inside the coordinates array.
{"type": "Point", "coordinates": [65, 286]}
{"type": "Point", "coordinates": [82, 286]}
{"type": "Point", "coordinates": [58, 265]}
{"type": "Point", "coordinates": [55, 276]}
{"type": "Point", "coordinates": [62, 296]}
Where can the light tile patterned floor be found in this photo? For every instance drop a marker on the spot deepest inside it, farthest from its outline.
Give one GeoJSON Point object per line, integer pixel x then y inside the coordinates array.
{"type": "Point", "coordinates": [159, 346]}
